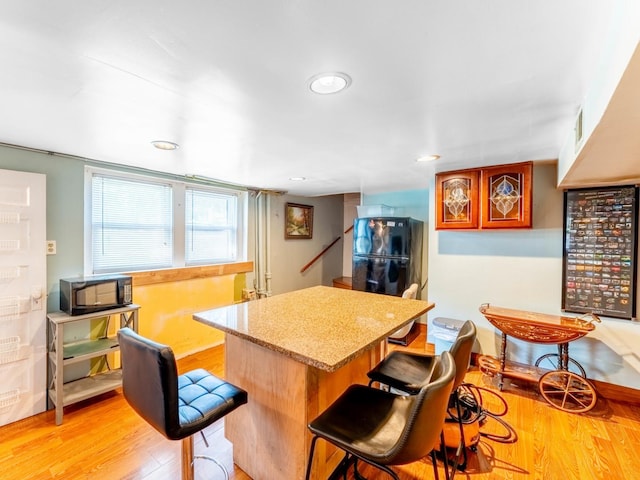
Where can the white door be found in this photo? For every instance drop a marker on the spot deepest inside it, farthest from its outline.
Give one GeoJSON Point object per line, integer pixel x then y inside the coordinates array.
{"type": "Point", "coordinates": [23, 366]}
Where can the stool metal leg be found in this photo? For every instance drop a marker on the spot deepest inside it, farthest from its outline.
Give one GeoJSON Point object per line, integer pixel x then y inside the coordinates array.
{"type": "Point", "coordinates": [205, 457]}
{"type": "Point", "coordinates": [310, 460]}
{"type": "Point", "coordinates": [187, 458]}
{"type": "Point", "coordinates": [462, 447]}
{"type": "Point", "coordinates": [211, 459]}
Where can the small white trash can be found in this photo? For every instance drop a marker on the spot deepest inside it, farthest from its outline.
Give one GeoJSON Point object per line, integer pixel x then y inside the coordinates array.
{"type": "Point", "coordinates": [443, 332]}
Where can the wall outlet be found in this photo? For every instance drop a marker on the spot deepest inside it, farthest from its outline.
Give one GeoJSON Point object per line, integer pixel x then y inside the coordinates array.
{"type": "Point", "coordinates": [51, 247]}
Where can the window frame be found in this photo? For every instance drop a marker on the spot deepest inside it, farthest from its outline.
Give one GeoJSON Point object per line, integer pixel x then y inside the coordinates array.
{"type": "Point", "coordinates": [179, 188]}
{"type": "Point", "coordinates": [234, 225]}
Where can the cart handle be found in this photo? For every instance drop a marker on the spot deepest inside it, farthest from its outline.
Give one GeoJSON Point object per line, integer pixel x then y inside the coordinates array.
{"type": "Point", "coordinates": [590, 317]}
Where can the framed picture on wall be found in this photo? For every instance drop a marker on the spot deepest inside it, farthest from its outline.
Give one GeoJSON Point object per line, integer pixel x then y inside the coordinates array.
{"type": "Point", "coordinates": [506, 196]}
{"type": "Point", "coordinates": [298, 221]}
{"type": "Point", "coordinates": [457, 200]}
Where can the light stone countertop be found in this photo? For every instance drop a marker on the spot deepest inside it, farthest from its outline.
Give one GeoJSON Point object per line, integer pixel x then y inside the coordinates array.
{"type": "Point", "coordinates": [323, 327]}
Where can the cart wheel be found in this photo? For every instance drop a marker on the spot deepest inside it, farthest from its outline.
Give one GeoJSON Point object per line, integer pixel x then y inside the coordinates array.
{"type": "Point", "coordinates": [567, 391]}
{"type": "Point", "coordinates": [551, 361]}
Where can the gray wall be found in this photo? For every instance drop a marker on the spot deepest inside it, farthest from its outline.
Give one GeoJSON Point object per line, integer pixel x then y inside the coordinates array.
{"type": "Point", "coordinates": [65, 225]}
{"type": "Point", "coordinates": [65, 211]}
{"type": "Point", "coordinates": [513, 268]}
{"type": "Point", "coordinates": [289, 256]}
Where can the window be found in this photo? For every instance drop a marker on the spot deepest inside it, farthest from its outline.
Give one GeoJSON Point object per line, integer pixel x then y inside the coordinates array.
{"type": "Point", "coordinates": [210, 219]}
{"type": "Point", "coordinates": [145, 224]}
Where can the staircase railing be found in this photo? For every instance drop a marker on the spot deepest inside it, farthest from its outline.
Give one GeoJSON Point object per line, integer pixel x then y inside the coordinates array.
{"type": "Point", "coordinates": [317, 257]}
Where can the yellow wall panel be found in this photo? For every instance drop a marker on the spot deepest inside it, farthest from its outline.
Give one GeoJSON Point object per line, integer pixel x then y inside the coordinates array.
{"type": "Point", "coordinates": [166, 311]}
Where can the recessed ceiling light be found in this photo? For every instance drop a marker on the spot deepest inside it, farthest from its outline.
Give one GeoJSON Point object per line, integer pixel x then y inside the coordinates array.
{"type": "Point", "coordinates": [297, 179]}
{"type": "Point", "coordinates": [428, 158]}
{"type": "Point", "coordinates": [164, 145]}
{"type": "Point", "coordinates": [327, 83]}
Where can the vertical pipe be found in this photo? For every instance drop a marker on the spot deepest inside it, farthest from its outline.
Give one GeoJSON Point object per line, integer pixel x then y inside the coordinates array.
{"type": "Point", "coordinates": [258, 246]}
{"type": "Point", "coordinates": [267, 245]}
{"type": "Point", "coordinates": [261, 290]}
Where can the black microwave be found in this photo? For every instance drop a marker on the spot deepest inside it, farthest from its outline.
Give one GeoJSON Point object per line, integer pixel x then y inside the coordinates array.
{"type": "Point", "coordinates": [88, 294]}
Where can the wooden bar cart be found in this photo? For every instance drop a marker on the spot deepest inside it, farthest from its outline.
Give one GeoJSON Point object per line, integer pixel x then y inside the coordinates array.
{"type": "Point", "coordinates": [561, 380]}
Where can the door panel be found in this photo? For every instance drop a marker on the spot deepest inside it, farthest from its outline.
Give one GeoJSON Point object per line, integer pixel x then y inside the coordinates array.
{"type": "Point", "coordinates": [381, 236]}
{"type": "Point", "coordinates": [380, 275]}
{"type": "Point", "coordinates": [23, 367]}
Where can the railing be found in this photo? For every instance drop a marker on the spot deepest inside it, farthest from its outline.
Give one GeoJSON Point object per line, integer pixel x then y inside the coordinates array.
{"type": "Point", "coordinates": [317, 257]}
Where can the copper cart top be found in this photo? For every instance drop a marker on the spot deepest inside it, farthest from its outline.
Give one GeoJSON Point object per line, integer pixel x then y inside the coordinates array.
{"type": "Point", "coordinates": [537, 327]}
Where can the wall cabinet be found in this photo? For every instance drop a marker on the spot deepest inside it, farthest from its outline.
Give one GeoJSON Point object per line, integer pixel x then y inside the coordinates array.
{"type": "Point", "coordinates": [63, 354]}
{"type": "Point", "coordinates": [483, 198]}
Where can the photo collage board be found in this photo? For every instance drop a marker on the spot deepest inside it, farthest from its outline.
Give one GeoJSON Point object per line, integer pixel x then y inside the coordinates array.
{"type": "Point", "coordinates": [600, 249]}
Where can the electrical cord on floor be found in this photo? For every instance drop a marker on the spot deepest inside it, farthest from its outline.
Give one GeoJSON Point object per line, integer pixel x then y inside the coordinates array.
{"type": "Point", "coordinates": [473, 410]}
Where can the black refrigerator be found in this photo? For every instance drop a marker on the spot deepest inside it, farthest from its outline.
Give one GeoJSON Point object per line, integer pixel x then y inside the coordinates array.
{"type": "Point", "coordinates": [387, 254]}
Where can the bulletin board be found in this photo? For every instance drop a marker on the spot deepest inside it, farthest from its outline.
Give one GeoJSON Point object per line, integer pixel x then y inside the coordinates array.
{"type": "Point", "coordinates": [600, 250]}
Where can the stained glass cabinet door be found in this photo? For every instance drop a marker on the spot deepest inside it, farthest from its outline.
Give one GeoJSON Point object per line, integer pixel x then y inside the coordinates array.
{"type": "Point", "coordinates": [506, 196]}
{"type": "Point", "coordinates": [457, 200]}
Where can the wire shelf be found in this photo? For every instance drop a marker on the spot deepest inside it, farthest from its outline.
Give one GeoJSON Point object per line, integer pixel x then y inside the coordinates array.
{"type": "Point", "coordinates": [9, 217]}
{"type": "Point", "coordinates": [9, 273]}
{"type": "Point", "coordinates": [9, 398]}
{"type": "Point", "coordinates": [9, 348]}
{"type": "Point", "coordinates": [9, 245]}
{"type": "Point", "coordinates": [9, 308]}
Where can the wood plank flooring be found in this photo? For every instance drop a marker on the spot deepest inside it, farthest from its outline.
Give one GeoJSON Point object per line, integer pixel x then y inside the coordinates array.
{"type": "Point", "coordinates": [104, 439]}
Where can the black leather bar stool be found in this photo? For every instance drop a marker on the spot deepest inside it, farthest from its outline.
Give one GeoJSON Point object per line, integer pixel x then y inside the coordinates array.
{"type": "Point", "coordinates": [176, 406]}
{"type": "Point", "coordinates": [382, 428]}
{"type": "Point", "coordinates": [409, 372]}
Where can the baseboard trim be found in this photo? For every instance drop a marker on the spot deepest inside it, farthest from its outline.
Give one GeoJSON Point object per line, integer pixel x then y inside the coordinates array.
{"type": "Point", "coordinates": [618, 393]}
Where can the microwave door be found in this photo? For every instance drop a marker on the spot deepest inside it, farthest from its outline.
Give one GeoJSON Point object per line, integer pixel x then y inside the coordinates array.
{"type": "Point", "coordinates": [98, 294]}
{"type": "Point", "coordinates": [107, 293]}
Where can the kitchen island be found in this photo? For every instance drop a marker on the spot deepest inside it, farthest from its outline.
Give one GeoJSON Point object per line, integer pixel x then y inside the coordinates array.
{"type": "Point", "coordinates": [294, 354]}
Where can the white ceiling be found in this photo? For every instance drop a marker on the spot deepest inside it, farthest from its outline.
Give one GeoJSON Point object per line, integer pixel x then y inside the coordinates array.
{"type": "Point", "coordinates": [480, 82]}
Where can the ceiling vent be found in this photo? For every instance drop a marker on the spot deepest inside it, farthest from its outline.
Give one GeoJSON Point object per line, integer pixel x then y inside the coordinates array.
{"type": "Point", "coordinates": [578, 131]}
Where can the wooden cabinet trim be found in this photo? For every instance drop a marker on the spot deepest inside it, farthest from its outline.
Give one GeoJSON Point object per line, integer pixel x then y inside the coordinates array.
{"type": "Point", "coordinates": [468, 217]}
{"type": "Point", "coordinates": [188, 273]}
{"type": "Point", "coordinates": [524, 204]}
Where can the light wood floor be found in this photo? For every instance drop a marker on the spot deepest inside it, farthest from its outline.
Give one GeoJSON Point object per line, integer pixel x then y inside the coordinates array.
{"type": "Point", "coordinates": [104, 439]}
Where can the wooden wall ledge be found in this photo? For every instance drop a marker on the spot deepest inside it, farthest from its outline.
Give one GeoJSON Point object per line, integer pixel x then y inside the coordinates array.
{"type": "Point", "coordinates": [187, 273]}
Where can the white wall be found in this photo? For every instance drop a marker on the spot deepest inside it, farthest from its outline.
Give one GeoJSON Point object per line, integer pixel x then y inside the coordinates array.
{"type": "Point", "coordinates": [623, 36]}
{"type": "Point", "coordinates": [522, 269]}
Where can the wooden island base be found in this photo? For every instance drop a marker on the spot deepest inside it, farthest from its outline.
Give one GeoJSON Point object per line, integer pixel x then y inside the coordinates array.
{"type": "Point", "coordinates": [269, 435]}
{"type": "Point", "coordinates": [294, 354]}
